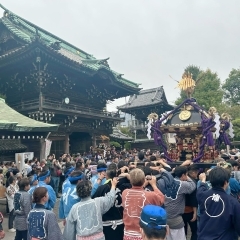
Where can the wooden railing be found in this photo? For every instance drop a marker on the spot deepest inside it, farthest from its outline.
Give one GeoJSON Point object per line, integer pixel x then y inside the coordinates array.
{"type": "Point", "coordinates": [56, 106]}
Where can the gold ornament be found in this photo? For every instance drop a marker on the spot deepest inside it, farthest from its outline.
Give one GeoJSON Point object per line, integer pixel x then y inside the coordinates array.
{"type": "Point", "coordinates": [153, 116]}
{"type": "Point", "coordinates": [225, 116]}
{"type": "Point", "coordinates": [187, 84]}
{"type": "Point", "coordinates": [184, 115]}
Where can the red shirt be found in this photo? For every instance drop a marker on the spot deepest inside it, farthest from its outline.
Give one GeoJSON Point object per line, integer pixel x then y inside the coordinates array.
{"type": "Point", "coordinates": [133, 200]}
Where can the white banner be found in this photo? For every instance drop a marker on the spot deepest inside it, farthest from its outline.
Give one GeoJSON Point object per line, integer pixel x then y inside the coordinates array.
{"type": "Point", "coordinates": [48, 145]}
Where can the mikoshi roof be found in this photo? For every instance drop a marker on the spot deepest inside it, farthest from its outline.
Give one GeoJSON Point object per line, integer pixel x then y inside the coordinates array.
{"type": "Point", "coordinates": [148, 97]}
{"type": "Point", "coordinates": [27, 32]}
{"type": "Point", "coordinates": [12, 120]}
{"type": "Point", "coordinates": [117, 134]}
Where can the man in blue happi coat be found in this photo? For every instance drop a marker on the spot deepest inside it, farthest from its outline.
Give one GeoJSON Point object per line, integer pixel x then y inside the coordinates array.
{"type": "Point", "coordinates": [100, 178]}
{"type": "Point", "coordinates": [44, 179]}
{"type": "Point", "coordinates": [69, 195]}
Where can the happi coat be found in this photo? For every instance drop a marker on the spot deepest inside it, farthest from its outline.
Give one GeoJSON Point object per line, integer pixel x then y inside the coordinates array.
{"type": "Point", "coordinates": [42, 224]}
{"type": "Point", "coordinates": [85, 217]}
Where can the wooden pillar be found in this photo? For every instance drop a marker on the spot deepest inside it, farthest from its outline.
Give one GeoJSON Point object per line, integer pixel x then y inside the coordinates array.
{"type": "Point", "coordinates": [42, 148]}
{"type": "Point", "coordinates": [94, 141]}
{"type": "Point", "coordinates": [66, 144]}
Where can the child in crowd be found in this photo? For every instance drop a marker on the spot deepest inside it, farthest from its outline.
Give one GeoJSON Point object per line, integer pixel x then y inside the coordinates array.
{"type": "Point", "coordinates": [153, 223]}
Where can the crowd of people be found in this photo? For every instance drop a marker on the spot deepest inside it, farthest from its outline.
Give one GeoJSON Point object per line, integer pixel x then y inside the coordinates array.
{"type": "Point", "coordinates": [120, 195]}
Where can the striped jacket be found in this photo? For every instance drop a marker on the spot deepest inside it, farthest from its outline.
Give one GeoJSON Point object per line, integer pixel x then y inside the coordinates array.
{"type": "Point", "coordinates": [22, 206]}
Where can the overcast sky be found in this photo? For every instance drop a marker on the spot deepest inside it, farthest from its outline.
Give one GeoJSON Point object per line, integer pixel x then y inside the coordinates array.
{"type": "Point", "coordinates": [146, 40]}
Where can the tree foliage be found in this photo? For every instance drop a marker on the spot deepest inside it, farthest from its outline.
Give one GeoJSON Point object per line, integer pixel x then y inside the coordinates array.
{"type": "Point", "coordinates": [208, 90]}
{"type": "Point", "coordinates": [195, 71]}
{"type": "Point", "coordinates": [232, 87]}
{"type": "Point", "coordinates": [127, 145]}
{"type": "Point", "coordinates": [233, 111]}
{"type": "Point", "coordinates": [126, 130]}
{"type": "Point", "coordinates": [236, 127]}
{"type": "Point", "coordinates": [115, 144]}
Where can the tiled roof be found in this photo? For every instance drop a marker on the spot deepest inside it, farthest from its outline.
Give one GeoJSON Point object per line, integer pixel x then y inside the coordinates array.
{"type": "Point", "coordinates": [11, 145]}
{"type": "Point", "coordinates": [146, 98]}
{"type": "Point", "coordinates": [117, 134]}
{"type": "Point", "coordinates": [27, 32]}
{"type": "Point", "coordinates": [15, 121]}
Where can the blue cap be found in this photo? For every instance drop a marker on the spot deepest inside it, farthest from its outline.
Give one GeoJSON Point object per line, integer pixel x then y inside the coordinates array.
{"type": "Point", "coordinates": [154, 217]}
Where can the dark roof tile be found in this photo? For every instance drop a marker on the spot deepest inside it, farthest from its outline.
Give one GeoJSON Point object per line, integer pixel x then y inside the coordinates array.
{"type": "Point", "coordinates": [146, 97]}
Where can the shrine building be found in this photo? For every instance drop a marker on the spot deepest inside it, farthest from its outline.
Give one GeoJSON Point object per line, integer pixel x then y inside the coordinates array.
{"type": "Point", "coordinates": [50, 80]}
{"type": "Point", "coordinates": [140, 106]}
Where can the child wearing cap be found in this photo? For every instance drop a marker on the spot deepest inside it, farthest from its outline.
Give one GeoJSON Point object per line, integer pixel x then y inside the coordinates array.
{"type": "Point", "coordinates": [153, 223]}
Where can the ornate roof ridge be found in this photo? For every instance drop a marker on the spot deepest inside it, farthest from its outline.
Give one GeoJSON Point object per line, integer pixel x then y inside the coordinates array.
{"type": "Point", "coordinates": [145, 98]}
{"type": "Point", "coordinates": [30, 31]}
{"type": "Point", "coordinates": [14, 51]}
{"type": "Point", "coordinates": [32, 25]}
{"type": "Point", "coordinates": [143, 91]}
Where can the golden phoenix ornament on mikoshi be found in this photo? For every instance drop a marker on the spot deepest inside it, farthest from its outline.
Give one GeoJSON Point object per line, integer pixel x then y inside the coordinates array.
{"type": "Point", "coordinates": [187, 84]}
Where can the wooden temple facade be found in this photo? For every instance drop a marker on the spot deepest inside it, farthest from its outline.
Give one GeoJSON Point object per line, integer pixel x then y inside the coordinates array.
{"type": "Point", "coordinates": [50, 80]}
{"type": "Point", "coordinates": [140, 106]}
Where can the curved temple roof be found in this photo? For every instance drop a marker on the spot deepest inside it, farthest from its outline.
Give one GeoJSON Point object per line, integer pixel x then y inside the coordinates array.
{"type": "Point", "coordinates": [27, 33]}
{"type": "Point", "coordinates": [145, 98]}
{"type": "Point", "coordinates": [117, 134]}
{"type": "Point", "coordinates": [14, 121]}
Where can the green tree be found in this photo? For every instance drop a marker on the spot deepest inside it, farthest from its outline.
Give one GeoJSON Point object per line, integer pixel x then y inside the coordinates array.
{"type": "Point", "coordinates": [127, 145]}
{"type": "Point", "coordinates": [236, 128]}
{"type": "Point", "coordinates": [126, 130]}
{"type": "Point", "coordinates": [208, 90]}
{"type": "Point", "coordinates": [115, 144]}
{"type": "Point", "coordinates": [195, 71]}
{"type": "Point", "coordinates": [233, 111]}
{"type": "Point", "coordinates": [232, 87]}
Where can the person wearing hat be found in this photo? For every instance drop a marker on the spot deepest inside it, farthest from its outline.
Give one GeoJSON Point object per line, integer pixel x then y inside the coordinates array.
{"type": "Point", "coordinates": [153, 223]}
{"type": "Point", "coordinates": [44, 179]}
{"type": "Point", "coordinates": [100, 178]}
{"type": "Point", "coordinates": [69, 195]}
